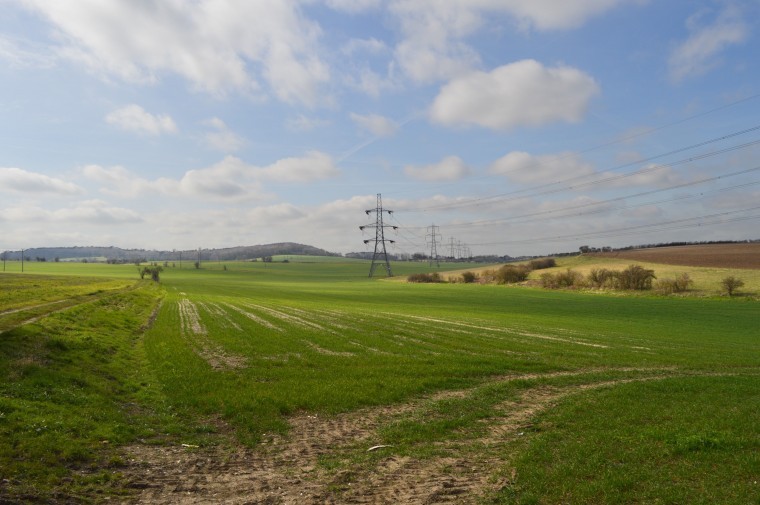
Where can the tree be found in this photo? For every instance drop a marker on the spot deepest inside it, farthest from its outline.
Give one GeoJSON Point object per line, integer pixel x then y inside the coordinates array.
{"type": "Point", "coordinates": [154, 271]}
{"type": "Point", "coordinates": [731, 284]}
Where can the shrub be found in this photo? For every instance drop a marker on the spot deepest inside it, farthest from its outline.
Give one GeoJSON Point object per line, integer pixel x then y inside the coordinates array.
{"type": "Point", "coordinates": [510, 274]}
{"type": "Point", "coordinates": [565, 279]}
{"type": "Point", "coordinates": [731, 284]}
{"type": "Point", "coordinates": [424, 278]}
{"type": "Point", "coordinates": [635, 277]}
{"type": "Point", "coordinates": [601, 278]}
{"type": "Point", "coordinates": [469, 277]}
{"type": "Point", "coordinates": [681, 283]}
{"type": "Point", "coordinates": [542, 263]}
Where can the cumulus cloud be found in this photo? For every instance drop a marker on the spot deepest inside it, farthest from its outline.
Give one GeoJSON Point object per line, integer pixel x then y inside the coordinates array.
{"type": "Point", "coordinates": [524, 93]}
{"type": "Point", "coordinates": [222, 138]}
{"type": "Point", "coordinates": [700, 52]}
{"type": "Point", "coordinates": [379, 126]}
{"type": "Point", "coordinates": [434, 33]}
{"type": "Point", "coordinates": [23, 181]}
{"type": "Point", "coordinates": [314, 166]}
{"type": "Point", "coordinates": [217, 45]}
{"type": "Point", "coordinates": [134, 118]}
{"type": "Point", "coordinates": [527, 168]}
{"type": "Point", "coordinates": [451, 168]}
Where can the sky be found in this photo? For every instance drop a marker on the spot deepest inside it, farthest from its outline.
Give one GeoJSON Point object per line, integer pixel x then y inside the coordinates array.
{"type": "Point", "coordinates": [509, 127]}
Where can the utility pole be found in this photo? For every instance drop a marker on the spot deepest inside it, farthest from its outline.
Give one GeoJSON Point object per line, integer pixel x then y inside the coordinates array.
{"type": "Point", "coordinates": [379, 239]}
{"type": "Point", "coordinates": [434, 235]}
{"type": "Point", "coordinates": [22, 260]}
{"type": "Point", "coordinates": [453, 249]}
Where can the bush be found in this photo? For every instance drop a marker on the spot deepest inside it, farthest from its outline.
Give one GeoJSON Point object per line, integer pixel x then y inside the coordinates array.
{"type": "Point", "coordinates": [469, 277]}
{"type": "Point", "coordinates": [565, 279]}
{"type": "Point", "coordinates": [731, 284]}
{"type": "Point", "coordinates": [510, 274]}
{"type": "Point", "coordinates": [543, 263]}
{"type": "Point", "coordinates": [424, 278]}
{"type": "Point", "coordinates": [635, 277]}
{"type": "Point", "coordinates": [601, 278]}
{"type": "Point", "coordinates": [681, 283]}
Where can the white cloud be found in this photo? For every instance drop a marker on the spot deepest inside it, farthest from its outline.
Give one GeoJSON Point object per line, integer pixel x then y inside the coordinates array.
{"type": "Point", "coordinates": [524, 93]}
{"type": "Point", "coordinates": [120, 182]}
{"type": "Point", "coordinates": [371, 45]}
{"type": "Point", "coordinates": [134, 118]}
{"type": "Point", "coordinates": [23, 181]}
{"type": "Point", "coordinates": [526, 168]}
{"type": "Point", "coordinates": [432, 48]}
{"type": "Point", "coordinates": [451, 168]}
{"type": "Point", "coordinates": [434, 32]}
{"type": "Point", "coordinates": [22, 54]}
{"type": "Point", "coordinates": [699, 53]}
{"type": "Point", "coordinates": [222, 138]}
{"type": "Point", "coordinates": [314, 166]}
{"type": "Point", "coordinates": [379, 126]}
{"type": "Point", "coordinates": [96, 212]}
{"type": "Point", "coordinates": [217, 45]}
{"type": "Point", "coordinates": [303, 123]}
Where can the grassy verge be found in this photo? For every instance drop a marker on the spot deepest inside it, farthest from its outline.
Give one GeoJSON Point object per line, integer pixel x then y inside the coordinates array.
{"type": "Point", "coordinates": [73, 386]}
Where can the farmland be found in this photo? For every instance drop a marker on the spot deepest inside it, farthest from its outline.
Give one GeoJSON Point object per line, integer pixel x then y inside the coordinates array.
{"type": "Point", "coordinates": [306, 382]}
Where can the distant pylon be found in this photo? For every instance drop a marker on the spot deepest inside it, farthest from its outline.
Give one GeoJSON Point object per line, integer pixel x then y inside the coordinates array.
{"type": "Point", "coordinates": [379, 239]}
{"type": "Point", "coordinates": [434, 235]}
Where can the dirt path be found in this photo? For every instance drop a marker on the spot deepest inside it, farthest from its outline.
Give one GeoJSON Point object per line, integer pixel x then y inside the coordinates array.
{"type": "Point", "coordinates": [287, 470]}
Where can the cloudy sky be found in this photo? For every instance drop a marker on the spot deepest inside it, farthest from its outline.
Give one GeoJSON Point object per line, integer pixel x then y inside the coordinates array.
{"type": "Point", "coordinates": [514, 126]}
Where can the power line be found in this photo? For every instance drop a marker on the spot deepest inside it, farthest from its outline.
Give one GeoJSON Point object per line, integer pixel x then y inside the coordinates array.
{"type": "Point", "coordinates": [624, 138]}
{"type": "Point", "coordinates": [665, 225]}
{"type": "Point", "coordinates": [519, 217]}
{"type": "Point", "coordinates": [533, 189]}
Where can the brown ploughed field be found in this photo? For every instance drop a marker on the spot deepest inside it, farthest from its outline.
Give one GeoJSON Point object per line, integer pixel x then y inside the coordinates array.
{"type": "Point", "coordinates": [745, 255]}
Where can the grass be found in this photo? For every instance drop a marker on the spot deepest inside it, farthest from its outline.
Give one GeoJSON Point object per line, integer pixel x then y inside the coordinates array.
{"type": "Point", "coordinates": [247, 346]}
{"type": "Point", "coordinates": [687, 433]}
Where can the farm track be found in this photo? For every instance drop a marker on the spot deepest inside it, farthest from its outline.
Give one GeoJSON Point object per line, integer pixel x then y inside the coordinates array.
{"type": "Point", "coordinates": [287, 469]}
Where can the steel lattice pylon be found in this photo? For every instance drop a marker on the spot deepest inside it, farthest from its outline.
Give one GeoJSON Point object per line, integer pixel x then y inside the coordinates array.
{"type": "Point", "coordinates": [379, 239]}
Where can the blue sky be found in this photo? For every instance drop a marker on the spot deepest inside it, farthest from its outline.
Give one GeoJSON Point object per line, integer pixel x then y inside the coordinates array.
{"type": "Point", "coordinates": [515, 126]}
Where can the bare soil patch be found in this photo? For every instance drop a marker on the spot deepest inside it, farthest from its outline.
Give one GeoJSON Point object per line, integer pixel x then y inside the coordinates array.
{"type": "Point", "coordinates": [288, 469]}
{"type": "Point", "coordinates": [708, 255]}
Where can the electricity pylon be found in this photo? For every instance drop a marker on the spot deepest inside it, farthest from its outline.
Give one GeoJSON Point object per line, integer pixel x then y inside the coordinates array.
{"type": "Point", "coordinates": [434, 235]}
{"type": "Point", "coordinates": [379, 239]}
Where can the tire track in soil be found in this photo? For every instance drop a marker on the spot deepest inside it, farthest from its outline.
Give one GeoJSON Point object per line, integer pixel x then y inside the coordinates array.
{"type": "Point", "coordinates": [286, 470]}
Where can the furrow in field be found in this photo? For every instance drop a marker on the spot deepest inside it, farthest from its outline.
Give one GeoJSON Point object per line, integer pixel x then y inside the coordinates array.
{"type": "Point", "coordinates": [290, 318]}
{"type": "Point", "coordinates": [255, 318]}
{"type": "Point", "coordinates": [220, 315]}
{"type": "Point", "coordinates": [197, 335]}
{"type": "Point", "coordinates": [328, 352]}
{"type": "Point", "coordinates": [511, 331]}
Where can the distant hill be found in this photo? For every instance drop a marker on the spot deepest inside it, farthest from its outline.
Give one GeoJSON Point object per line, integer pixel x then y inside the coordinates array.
{"type": "Point", "coordinates": [118, 254]}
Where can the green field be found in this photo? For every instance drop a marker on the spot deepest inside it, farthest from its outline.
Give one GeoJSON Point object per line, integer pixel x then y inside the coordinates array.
{"type": "Point", "coordinates": [482, 393]}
